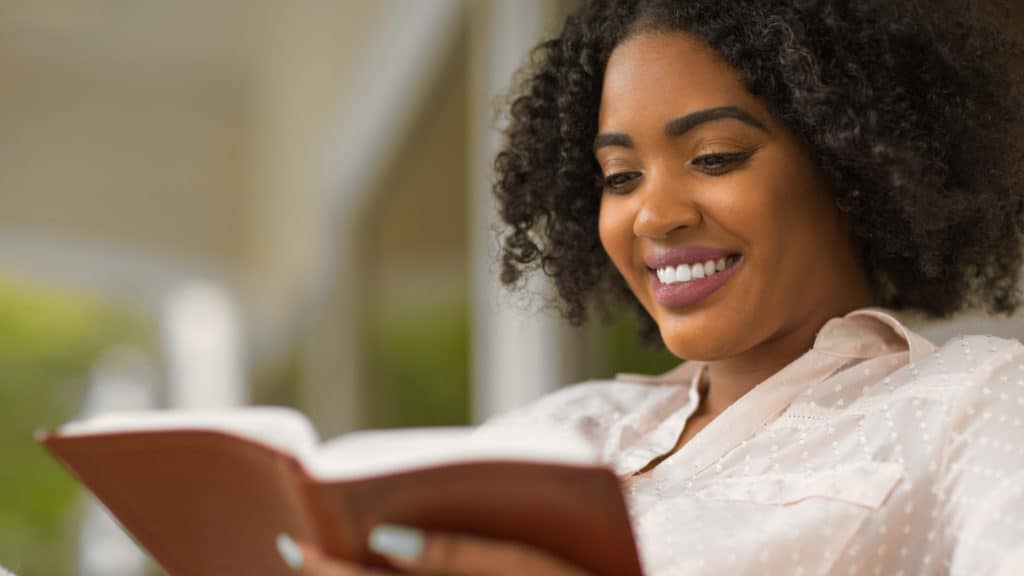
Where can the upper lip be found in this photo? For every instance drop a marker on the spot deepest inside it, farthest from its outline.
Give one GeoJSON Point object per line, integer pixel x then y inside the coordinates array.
{"type": "Point", "coordinates": [685, 255]}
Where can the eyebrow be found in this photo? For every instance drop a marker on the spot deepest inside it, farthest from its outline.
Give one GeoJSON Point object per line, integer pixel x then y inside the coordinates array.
{"type": "Point", "coordinates": [683, 124]}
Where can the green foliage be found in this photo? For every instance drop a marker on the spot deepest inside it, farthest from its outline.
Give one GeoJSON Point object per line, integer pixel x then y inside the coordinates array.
{"type": "Point", "coordinates": [48, 343]}
{"type": "Point", "coordinates": [419, 365]}
{"type": "Point", "coordinates": [625, 353]}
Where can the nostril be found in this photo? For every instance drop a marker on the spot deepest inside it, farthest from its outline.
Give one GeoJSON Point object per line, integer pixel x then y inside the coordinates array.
{"type": "Point", "coordinates": [659, 219]}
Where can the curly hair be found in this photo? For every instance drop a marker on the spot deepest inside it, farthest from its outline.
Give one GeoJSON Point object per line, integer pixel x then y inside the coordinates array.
{"type": "Point", "coordinates": [911, 110]}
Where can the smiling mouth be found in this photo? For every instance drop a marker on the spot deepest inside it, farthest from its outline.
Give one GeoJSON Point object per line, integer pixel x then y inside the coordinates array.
{"type": "Point", "coordinates": [688, 273]}
{"type": "Point", "coordinates": [680, 286]}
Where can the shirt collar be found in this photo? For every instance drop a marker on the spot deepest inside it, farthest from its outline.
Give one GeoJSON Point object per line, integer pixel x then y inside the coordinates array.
{"type": "Point", "coordinates": [864, 333]}
{"type": "Point", "coordinates": [870, 332]}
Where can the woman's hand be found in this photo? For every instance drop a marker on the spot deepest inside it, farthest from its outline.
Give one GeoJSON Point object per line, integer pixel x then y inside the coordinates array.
{"type": "Point", "coordinates": [412, 551]}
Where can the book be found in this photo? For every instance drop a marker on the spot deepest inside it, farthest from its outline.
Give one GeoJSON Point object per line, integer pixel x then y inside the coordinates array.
{"type": "Point", "coordinates": [207, 493]}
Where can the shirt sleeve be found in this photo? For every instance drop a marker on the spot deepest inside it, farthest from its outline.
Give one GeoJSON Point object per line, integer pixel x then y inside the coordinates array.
{"type": "Point", "coordinates": [981, 489]}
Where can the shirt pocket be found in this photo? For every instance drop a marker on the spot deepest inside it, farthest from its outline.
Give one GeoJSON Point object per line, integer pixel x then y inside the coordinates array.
{"type": "Point", "coordinates": [812, 515]}
{"type": "Point", "coordinates": [866, 485]}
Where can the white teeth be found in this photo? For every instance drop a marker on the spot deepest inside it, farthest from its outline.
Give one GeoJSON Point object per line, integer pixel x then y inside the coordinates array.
{"type": "Point", "coordinates": [696, 271]}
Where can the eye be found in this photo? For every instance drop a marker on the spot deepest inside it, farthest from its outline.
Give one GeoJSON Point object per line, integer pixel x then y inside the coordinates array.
{"type": "Point", "coordinates": [718, 163]}
{"type": "Point", "coordinates": [619, 181]}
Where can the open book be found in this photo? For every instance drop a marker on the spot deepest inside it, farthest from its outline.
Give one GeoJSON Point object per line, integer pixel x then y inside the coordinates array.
{"type": "Point", "coordinates": [207, 493]}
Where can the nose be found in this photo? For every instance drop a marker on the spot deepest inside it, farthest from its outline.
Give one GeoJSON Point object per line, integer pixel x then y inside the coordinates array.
{"type": "Point", "coordinates": [664, 208]}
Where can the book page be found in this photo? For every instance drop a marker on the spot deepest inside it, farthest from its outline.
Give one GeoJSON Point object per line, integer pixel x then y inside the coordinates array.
{"type": "Point", "coordinates": [372, 452]}
{"type": "Point", "coordinates": [280, 427]}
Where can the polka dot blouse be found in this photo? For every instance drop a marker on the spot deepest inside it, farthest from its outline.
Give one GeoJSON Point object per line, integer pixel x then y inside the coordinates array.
{"type": "Point", "coordinates": [873, 453]}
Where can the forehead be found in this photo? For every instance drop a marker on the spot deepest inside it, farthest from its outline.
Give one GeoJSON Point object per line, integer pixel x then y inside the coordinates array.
{"type": "Point", "coordinates": [661, 76]}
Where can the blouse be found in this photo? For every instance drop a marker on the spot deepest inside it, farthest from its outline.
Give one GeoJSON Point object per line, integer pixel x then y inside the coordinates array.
{"type": "Point", "coordinates": [872, 453]}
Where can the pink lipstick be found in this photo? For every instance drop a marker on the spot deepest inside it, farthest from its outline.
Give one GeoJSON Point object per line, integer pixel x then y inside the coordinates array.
{"type": "Point", "coordinates": [683, 276]}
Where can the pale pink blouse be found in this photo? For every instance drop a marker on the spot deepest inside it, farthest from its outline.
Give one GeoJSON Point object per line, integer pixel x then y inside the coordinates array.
{"type": "Point", "coordinates": [873, 453]}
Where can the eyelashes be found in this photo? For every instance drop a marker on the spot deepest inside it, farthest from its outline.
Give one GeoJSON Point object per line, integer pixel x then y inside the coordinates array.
{"type": "Point", "coordinates": [620, 180]}
{"type": "Point", "coordinates": [713, 164]}
{"type": "Point", "coordinates": [718, 163]}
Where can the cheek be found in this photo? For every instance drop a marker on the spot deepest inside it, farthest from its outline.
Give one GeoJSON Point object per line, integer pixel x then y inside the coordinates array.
{"type": "Point", "coordinates": [798, 219]}
{"type": "Point", "coordinates": [775, 210]}
{"type": "Point", "coordinates": [613, 232]}
{"type": "Point", "coordinates": [615, 229]}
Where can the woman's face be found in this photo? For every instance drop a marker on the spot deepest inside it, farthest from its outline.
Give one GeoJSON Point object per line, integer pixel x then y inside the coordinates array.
{"type": "Point", "coordinates": [711, 211]}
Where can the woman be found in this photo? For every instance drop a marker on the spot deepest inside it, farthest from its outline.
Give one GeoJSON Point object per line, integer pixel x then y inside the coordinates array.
{"type": "Point", "coordinates": [771, 176]}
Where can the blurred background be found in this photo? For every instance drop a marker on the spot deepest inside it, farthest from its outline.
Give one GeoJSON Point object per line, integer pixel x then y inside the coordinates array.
{"type": "Point", "coordinates": [213, 203]}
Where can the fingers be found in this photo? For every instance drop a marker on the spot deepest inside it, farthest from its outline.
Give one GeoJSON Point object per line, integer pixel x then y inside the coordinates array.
{"type": "Point", "coordinates": [310, 561]}
{"type": "Point", "coordinates": [412, 550]}
{"type": "Point", "coordinates": [461, 555]}
{"type": "Point", "coordinates": [318, 564]}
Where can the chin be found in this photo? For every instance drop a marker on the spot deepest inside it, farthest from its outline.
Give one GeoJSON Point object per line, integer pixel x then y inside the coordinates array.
{"type": "Point", "coordinates": [710, 330]}
{"type": "Point", "coordinates": [693, 345]}
{"type": "Point", "coordinates": [697, 354]}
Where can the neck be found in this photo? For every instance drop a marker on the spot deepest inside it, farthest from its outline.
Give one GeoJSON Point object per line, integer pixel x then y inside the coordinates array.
{"type": "Point", "coordinates": [731, 378]}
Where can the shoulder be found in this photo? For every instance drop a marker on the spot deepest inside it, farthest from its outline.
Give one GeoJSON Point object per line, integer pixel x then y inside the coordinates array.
{"type": "Point", "coordinates": [982, 466]}
{"type": "Point", "coordinates": [958, 373]}
{"type": "Point", "coordinates": [989, 372]}
{"type": "Point", "coordinates": [974, 360]}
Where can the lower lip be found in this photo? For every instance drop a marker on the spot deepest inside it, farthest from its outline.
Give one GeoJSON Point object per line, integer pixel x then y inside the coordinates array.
{"type": "Point", "coordinates": [687, 293]}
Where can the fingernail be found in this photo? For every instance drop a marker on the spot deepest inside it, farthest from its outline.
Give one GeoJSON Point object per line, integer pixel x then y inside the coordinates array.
{"type": "Point", "coordinates": [289, 551]}
{"type": "Point", "coordinates": [401, 542]}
